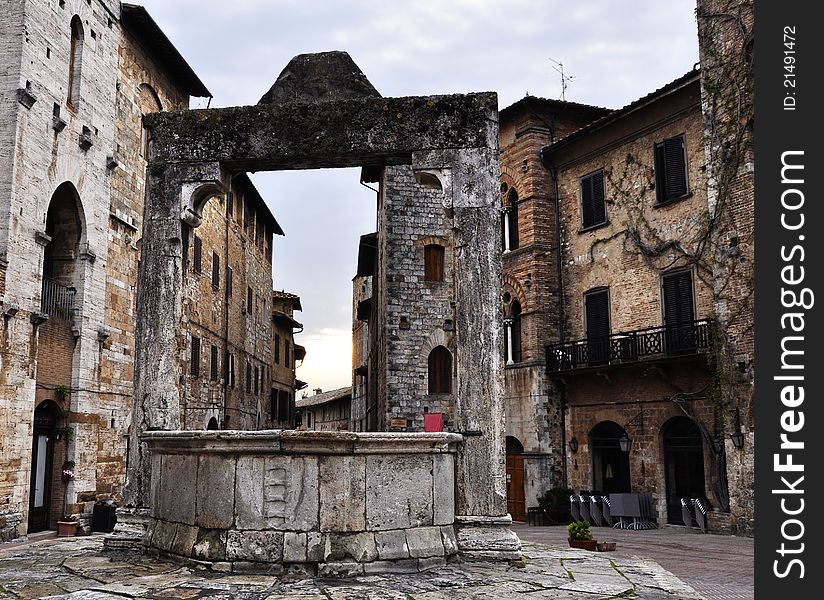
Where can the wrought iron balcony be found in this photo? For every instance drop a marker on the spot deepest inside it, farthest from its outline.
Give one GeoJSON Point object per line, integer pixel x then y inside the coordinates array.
{"type": "Point", "coordinates": [57, 300]}
{"type": "Point", "coordinates": [654, 343]}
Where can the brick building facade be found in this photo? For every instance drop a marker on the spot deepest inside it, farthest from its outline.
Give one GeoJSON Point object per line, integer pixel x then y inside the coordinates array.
{"type": "Point", "coordinates": [627, 289]}
{"type": "Point", "coordinates": [76, 79]}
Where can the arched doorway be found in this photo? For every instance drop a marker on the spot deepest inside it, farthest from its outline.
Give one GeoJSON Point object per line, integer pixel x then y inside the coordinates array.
{"type": "Point", "coordinates": [515, 498]}
{"type": "Point", "coordinates": [610, 464]}
{"type": "Point", "coordinates": [683, 465]}
{"type": "Point", "coordinates": [212, 425]}
{"type": "Point", "coordinates": [42, 467]}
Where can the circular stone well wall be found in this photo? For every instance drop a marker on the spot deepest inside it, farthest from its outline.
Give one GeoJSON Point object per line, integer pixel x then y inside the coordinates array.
{"type": "Point", "coordinates": [342, 503]}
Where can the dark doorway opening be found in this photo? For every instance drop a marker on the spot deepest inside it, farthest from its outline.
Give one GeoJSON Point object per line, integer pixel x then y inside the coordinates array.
{"type": "Point", "coordinates": [683, 465]}
{"type": "Point", "coordinates": [610, 464]}
{"type": "Point", "coordinates": [42, 466]}
{"type": "Point", "coordinates": [515, 497]}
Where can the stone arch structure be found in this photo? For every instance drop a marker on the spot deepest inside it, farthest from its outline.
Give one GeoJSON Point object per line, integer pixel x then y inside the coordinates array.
{"type": "Point", "coordinates": [610, 465]}
{"type": "Point", "coordinates": [321, 113]}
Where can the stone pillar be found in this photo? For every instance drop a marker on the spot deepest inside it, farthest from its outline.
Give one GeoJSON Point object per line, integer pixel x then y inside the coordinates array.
{"type": "Point", "coordinates": [175, 195]}
{"type": "Point", "coordinates": [469, 180]}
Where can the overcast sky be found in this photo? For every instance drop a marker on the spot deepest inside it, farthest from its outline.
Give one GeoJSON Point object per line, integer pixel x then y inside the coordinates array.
{"type": "Point", "coordinates": [615, 50]}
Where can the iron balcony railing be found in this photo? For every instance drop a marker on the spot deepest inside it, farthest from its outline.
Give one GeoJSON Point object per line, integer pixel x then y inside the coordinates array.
{"type": "Point", "coordinates": [631, 346]}
{"type": "Point", "coordinates": [57, 300]}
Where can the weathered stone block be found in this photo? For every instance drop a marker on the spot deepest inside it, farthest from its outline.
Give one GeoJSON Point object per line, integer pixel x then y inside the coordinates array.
{"type": "Point", "coordinates": [301, 494]}
{"type": "Point", "coordinates": [164, 535]}
{"type": "Point", "coordinates": [408, 565]}
{"type": "Point", "coordinates": [443, 489]}
{"type": "Point", "coordinates": [210, 545]}
{"type": "Point", "coordinates": [431, 563]}
{"type": "Point", "coordinates": [352, 546]}
{"type": "Point", "coordinates": [391, 545]}
{"type": "Point", "coordinates": [340, 569]}
{"type": "Point", "coordinates": [185, 539]}
{"type": "Point", "coordinates": [450, 540]}
{"type": "Point", "coordinates": [342, 481]}
{"type": "Point", "coordinates": [398, 491]}
{"type": "Point", "coordinates": [256, 546]}
{"type": "Point", "coordinates": [249, 494]}
{"type": "Point", "coordinates": [315, 546]}
{"type": "Point", "coordinates": [178, 489]}
{"type": "Point", "coordinates": [215, 492]}
{"type": "Point", "coordinates": [424, 542]}
{"type": "Point", "coordinates": [294, 547]}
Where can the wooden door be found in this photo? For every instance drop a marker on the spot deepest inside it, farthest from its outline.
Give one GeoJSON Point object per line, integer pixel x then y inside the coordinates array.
{"type": "Point", "coordinates": [515, 500]}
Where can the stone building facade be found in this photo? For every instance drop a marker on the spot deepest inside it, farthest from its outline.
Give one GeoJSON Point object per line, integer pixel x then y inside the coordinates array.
{"type": "Point", "coordinates": [228, 308]}
{"type": "Point", "coordinates": [76, 79]}
{"type": "Point", "coordinates": [326, 411]}
{"type": "Point", "coordinates": [285, 356]}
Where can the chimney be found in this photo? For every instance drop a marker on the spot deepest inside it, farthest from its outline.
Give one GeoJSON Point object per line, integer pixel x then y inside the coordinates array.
{"type": "Point", "coordinates": [317, 391]}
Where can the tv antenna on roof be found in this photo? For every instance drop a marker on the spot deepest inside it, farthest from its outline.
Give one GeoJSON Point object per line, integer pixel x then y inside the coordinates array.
{"type": "Point", "coordinates": [565, 79]}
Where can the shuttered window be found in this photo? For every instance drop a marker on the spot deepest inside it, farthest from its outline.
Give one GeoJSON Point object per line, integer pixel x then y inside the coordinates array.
{"type": "Point", "coordinates": [440, 371]}
{"type": "Point", "coordinates": [194, 364]}
{"type": "Point", "coordinates": [670, 169]}
{"type": "Point", "coordinates": [434, 262]}
{"type": "Point", "coordinates": [213, 371]}
{"type": "Point", "coordinates": [215, 271]}
{"type": "Point", "coordinates": [596, 306]}
{"type": "Point", "coordinates": [678, 298]}
{"type": "Point", "coordinates": [593, 204]}
{"type": "Point", "coordinates": [197, 255]}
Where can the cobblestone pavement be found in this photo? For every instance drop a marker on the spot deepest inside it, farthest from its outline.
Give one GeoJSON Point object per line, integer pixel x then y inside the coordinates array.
{"type": "Point", "coordinates": [78, 569]}
{"type": "Point", "coordinates": [720, 567]}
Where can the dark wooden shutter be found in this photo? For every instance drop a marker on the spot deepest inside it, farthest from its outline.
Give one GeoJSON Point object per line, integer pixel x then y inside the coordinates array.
{"type": "Point", "coordinates": [214, 364]}
{"type": "Point", "coordinates": [215, 270]}
{"type": "Point", "coordinates": [433, 262]}
{"type": "Point", "coordinates": [670, 169]}
{"type": "Point", "coordinates": [596, 305]}
{"type": "Point", "coordinates": [197, 255]}
{"type": "Point", "coordinates": [194, 366]}
{"type": "Point", "coordinates": [593, 200]}
{"type": "Point", "coordinates": [678, 298]}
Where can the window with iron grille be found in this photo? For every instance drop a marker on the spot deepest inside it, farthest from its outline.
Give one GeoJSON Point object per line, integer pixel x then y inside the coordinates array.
{"type": "Point", "coordinates": [215, 271]}
{"type": "Point", "coordinates": [197, 255]}
{"type": "Point", "coordinates": [593, 200]}
{"type": "Point", "coordinates": [434, 262]}
{"type": "Point", "coordinates": [194, 364]}
{"type": "Point", "coordinates": [213, 372]}
{"type": "Point", "coordinates": [440, 371]}
{"type": "Point", "coordinates": [671, 169]}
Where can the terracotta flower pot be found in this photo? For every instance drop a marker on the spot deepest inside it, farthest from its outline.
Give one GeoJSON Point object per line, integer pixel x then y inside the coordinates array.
{"type": "Point", "coordinates": [66, 528]}
{"type": "Point", "coordinates": [584, 544]}
{"type": "Point", "coordinates": [606, 546]}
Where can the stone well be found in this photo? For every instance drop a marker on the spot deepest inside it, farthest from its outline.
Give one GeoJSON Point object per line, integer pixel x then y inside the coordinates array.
{"type": "Point", "coordinates": [342, 503]}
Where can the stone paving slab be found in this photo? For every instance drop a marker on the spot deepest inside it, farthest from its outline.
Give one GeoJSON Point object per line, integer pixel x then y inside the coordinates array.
{"type": "Point", "coordinates": [79, 569]}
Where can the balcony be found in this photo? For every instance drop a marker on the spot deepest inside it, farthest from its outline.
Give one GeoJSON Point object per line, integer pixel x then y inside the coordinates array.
{"type": "Point", "coordinates": [654, 343]}
{"type": "Point", "coordinates": [57, 300]}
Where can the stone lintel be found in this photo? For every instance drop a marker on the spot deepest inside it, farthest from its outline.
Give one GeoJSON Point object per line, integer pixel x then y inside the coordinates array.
{"type": "Point", "coordinates": [349, 132]}
{"type": "Point", "coordinates": [275, 441]}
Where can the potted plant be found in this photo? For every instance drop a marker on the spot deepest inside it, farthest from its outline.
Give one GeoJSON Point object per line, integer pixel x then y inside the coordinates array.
{"type": "Point", "coordinates": [68, 470]}
{"type": "Point", "coordinates": [67, 527]}
{"type": "Point", "coordinates": [580, 536]}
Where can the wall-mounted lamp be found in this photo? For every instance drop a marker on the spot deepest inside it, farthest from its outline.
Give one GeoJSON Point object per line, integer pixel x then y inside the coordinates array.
{"type": "Point", "coordinates": [737, 436]}
{"type": "Point", "coordinates": [625, 442]}
{"type": "Point", "coordinates": [573, 444]}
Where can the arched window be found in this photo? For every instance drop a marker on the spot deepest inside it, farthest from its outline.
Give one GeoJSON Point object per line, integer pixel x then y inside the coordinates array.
{"type": "Point", "coordinates": [515, 312]}
{"type": "Point", "coordinates": [509, 219]}
{"type": "Point", "coordinates": [75, 61]}
{"type": "Point", "coordinates": [433, 262]}
{"type": "Point", "coordinates": [440, 371]}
